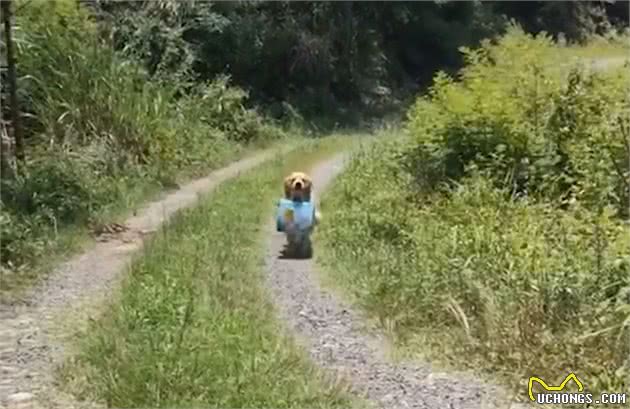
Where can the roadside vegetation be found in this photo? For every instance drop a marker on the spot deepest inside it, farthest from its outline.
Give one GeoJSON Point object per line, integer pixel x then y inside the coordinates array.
{"type": "Point", "coordinates": [120, 100]}
{"type": "Point", "coordinates": [102, 136]}
{"type": "Point", "coordinates": [494, 233]}
{"type": "Point", "coordinates": [193, 325]}
{"type": "Point", "coordinates": [612, 45]}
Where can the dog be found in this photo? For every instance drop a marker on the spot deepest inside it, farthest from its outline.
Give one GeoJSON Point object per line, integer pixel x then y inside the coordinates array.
{"type": "Point", "coordinates": [299, 186]}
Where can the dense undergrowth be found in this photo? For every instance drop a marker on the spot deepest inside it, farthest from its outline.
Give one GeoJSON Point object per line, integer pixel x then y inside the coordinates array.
{"type": "Point", "coordinates": [494, 234]}
{"type": "Point", "coordinates": [193, 325]}
{"type": "Point", "coordinates": [102, 134]}
{"type": "Point", "coordinates": [333, 62]}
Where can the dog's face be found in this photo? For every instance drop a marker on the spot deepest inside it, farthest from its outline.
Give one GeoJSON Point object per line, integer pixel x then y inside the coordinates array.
{"type": "Point", "coordinates": [297, 186]}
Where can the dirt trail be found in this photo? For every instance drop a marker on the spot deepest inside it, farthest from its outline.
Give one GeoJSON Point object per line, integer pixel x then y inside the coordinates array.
{"type": "Point", "coordinates": [602, 64]}
{"type": "Point", "coordinates": [338, 340]}
{"type": "Point", "coordinates": [30, 343]}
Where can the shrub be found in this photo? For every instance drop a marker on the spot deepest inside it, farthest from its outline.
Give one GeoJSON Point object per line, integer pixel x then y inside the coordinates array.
{"type": "Point", "coordinates": [100, 130]}
{"type": "Point", "coordinates": [491, 235]}
{"type": "Point", "coordinates": [513, 111]}
{"type": "Point", "coordinates": [512, 286]}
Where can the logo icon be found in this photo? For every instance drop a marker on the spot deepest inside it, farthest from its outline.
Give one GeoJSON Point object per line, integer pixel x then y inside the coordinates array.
{"type": "Point", "coordinates": [558, 388]}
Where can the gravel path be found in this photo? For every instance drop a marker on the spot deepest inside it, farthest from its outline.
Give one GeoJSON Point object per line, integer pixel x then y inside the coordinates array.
{"type": "Point", "coordinates": [338, 340]}
{"type": "Point", "coordinates": [31, 341]}
{"type": "Point", "coordinates": [30, 336]}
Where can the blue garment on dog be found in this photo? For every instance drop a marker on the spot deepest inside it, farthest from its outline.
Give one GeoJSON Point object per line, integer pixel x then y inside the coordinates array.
{"type": "Point", "coordinates": [303, 214]}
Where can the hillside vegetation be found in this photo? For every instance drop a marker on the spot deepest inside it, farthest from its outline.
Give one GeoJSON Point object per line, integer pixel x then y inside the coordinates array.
{"type": "Point", "coordinates": [494, 234]}
{"type": "Point", "coordinates": [119, 100]}
{"type": "Point", "coordinates": [330, 61]}
{"type": "Point", "coordinates": [102, 134]}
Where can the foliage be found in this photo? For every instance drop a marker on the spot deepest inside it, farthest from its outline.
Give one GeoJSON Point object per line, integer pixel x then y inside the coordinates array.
{"type": "Point", "coordinates": [317, 56]}
{"type": "Point", "coordinates": [323, 57]}
{"type": "Point", "coordinates": [478, 280]}
{"type": "Point", "coordinates": [101, 132]}
{"type": "Point", "coordinates": [515, 111]}
{"type": "Point", "coordinates": [503, 245]}
{"type": "Point", "coordinates": [574, 20]}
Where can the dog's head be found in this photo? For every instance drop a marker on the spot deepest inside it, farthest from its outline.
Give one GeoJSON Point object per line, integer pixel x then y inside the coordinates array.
{"type": "Point", "coordinates": [297, 186]}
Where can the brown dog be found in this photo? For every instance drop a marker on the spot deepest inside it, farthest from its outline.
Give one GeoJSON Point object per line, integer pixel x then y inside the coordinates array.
{"type": "Point", "coordinates": [299, 186]}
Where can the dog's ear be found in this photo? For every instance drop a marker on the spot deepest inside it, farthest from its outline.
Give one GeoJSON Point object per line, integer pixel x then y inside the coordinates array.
{"type": "Point", "coordinates": [308, 187]}
{"type": "Point", "coordinates": [287, 186]}
{"type": "Point", "coordinates": [307, 179]}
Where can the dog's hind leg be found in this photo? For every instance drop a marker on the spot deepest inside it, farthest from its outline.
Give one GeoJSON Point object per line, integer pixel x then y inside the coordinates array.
{"type": "Point", "coordinates": [307, 248]}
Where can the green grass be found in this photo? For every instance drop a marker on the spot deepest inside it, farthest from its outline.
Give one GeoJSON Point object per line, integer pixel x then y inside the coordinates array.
{"type": "Point", "coordinates": [601, 47]}
{"type": "Point", "coordinates": [104, 136]}
{"type": "Point", "coordinates": [50, 246]}
{"type": "Point", "coordinates": [609, 51]}
{"type": "Point", "coordinates": [192, 325]}
{"type": "Point", "coordinates": [471, 280]}
{"type": "Point", "coordinates": [473, 258]}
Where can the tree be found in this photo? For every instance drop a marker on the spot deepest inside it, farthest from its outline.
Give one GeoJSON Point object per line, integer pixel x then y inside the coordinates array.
{"type": "Point", "coordinates": [13, 99]}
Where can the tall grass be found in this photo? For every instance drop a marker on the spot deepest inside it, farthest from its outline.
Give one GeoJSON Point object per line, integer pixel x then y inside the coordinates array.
{"type": "Point", "coordinates": [102, 134]}
{"type": "Point", "coordinates": [613, 44]}
{"type": "Point", "coordinates": [193, 325]}
{"type": "Point", "coordinates": [492, 235]}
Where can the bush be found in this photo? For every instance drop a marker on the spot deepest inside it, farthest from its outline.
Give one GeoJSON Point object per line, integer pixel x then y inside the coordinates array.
{"type": "Point", "coordinates": [513, 112]}
{"type": "Point", "coordinates": [61, 185]}
{"type": "Point", "coordinates": [512, 286]}
{"type": "Point", "coordinates": [502, 245]}
{"type": "Point", "coordinates": [223, 108]}
{"type": "Point", "coordinates": [99, 129]}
